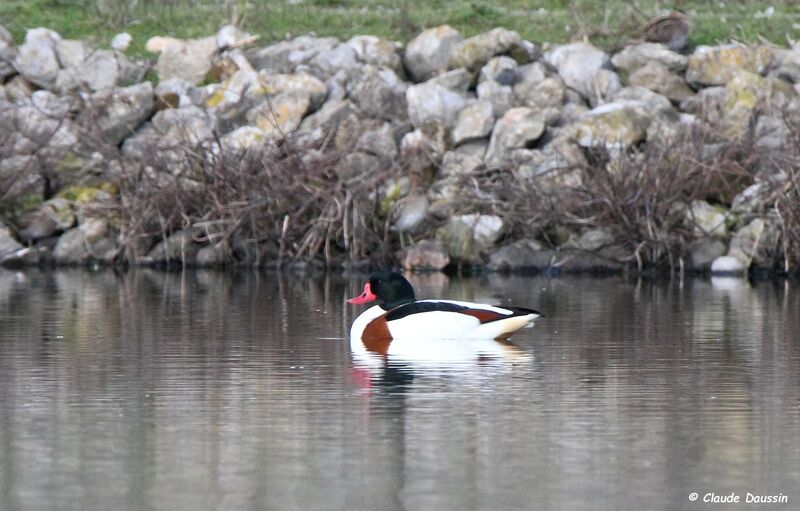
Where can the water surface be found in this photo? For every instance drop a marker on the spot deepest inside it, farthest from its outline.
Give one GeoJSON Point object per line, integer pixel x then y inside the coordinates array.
{"type": "Point", "coordinates": [205, 391]}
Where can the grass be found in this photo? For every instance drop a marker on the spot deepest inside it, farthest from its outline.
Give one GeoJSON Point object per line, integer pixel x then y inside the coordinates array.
{"type": "Point", "coordinates": [605, 23]}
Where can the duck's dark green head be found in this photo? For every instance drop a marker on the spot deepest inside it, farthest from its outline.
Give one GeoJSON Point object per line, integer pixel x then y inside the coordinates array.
{"type": "Point", "coordinates": [389, 287]}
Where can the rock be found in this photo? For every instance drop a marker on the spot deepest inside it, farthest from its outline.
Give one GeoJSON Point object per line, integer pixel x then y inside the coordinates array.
{"type": "Point", "coordinates": [614, 126]}
{"type": "Point", "coordinates": [633, 57]}
{"type": "Point", "coordinates": [703, 252]}
{"type": "Point", "coordinates": [593, 240]}
{"type": "Point", "coordinates": [548, 93]}
{"type": "Point", "coordinates": [457, 80]}
{"type": "Point", "coordinates": [659, 79]}
{"type": "Point", "coordinates": [190, 125]}
{"type": "Point", "coordinates": [71, 53]}
{"type": "Point", "coordinates": [502, 70]}
{"type": "Point", "coordinates": [173, 93]}
{"type": "Point", "coordinates": [243, 138]}
{"type": "Point", "coordinates": [284, 56]}
{"type": "Point", "coordinates": [475, 121]}
{"type": "Point", "coordinates": [604, 85]}
{"type": "Point", "coordinates": [433, 102]}
{"type": "Point", "coordinates": [379, 142]}
{"type": "Point", "coordinates": [772, 133]}
{"type": "Point", "coordinates": [189, 59]}
{"type": "Point", "coordinates": [303, 83]}
{"type": "Point", "coordinates": [52, 216]}
{"type": "Point", "coordinates": [429, 53]}
{"type": "Point", "coordinates": [8, 244]}
{"type": "Point", "coordinates": [463, 160]}
{"type": "Point", "coordinates": [728, 265]}
{"type": "Point", "coordinates": [330, 60]}
{"type": "Point", "coordinates": [500, 96]}
{"type": "Point", "coordinates": [178, 247]}
{"type": "Point", "coordinates": [518, 128]}
{"type": "Point", "coordinates": [708, 220]}
{"type": "Point", "coordinates": [757, 242]}
{"type": "Point", "coordinates": [475, 52]}
{"type": "Point", "coordinates": [577, 65]}
{"type": "Point", "coordinates": [377, 51]}
{"type": "Point", "coordinates": [279, 115]}
{"type": "Point", "coordinates": [329, 116]}
{"type": "Point", "coordinates": [558, 157]}
{"type": "Point", "coordinates": [120, 111]}
{"type": "Point", "coordinates": [528, 77]}
{"type": "Point", "coordinates": [468, 237]}
{"type": "Point", "coordinates": [104, 69]}
{"type": "Point", "coordinates": [85, 243]}
{"type": "Point", "coordinates": [18, 88]}
{"type": "Point", "coordinates": [8, 53]}
{"type": "Point", "coordinates": [378, 93]}
{"type": "Point", "coordinates": [652, 101]}
{"type": "Point", "coordinates": [120, 42]}
{"type": "Point", "coordinates": [52, 105]}
{"type": "Point", "coordinates": [36, 59]}
{"type": "Point", "coordinates": [425, 255]}
{"type": "Point", "coordinates": [213, 255]}
{"type": "Point", "coordinates": [516, 256]}
{"type": "Point", "coordinates": [717, 65]}
{"type": "Point", "coordinates": [20, 178]}
{"type": "Point", "coordinates": [232, 98]}
{"type": "Point", "coordinates": [747, 93]}
{"type": "Point", "coordinates": [760, 195]}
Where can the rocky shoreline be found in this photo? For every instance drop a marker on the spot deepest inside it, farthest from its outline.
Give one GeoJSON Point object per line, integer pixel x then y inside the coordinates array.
{"type": "Point", "coordinates": [488, 152]}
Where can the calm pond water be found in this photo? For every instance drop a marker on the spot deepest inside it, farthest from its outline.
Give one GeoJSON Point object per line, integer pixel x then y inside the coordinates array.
{"type": "Point", "coordinates": [221, 391]}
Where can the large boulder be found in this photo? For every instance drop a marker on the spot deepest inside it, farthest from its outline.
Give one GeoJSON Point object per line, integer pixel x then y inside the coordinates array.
{"type": "Point", "coordinates": [614, 126]}
{"type": "Point", "coordinates": [475, 121]}
{"type": "Point", "coordinates": [718, 64]}
{"type": "Point", "coordinates": [8, 244]}
{"type": "Point", "coordinates": [377, 51]}
{"type": "Point", "coordinates": [633, 57]}
{"type": "Point", "coordinates": [577, 65]}
{"type": "Point", "coordinates": [747, 94]}
{"type": "Point", "coordinates": [433, 102]}
{"type": "Point", "coordinates": [519, 255]}
{"type": "Point", "coordinates": [660, 79]}
{"type": "Point", "coordinates": [708, 220]}
{"type": "Point", "coordinates": [8, 51]}
{"type": "Point", "coordinates": [37, 59]}
{"type": "Point", "coordinates": [189, 59]}
{"type": "Point", "coordinates": [302, 83]}
{"type": "Point", "coordinates": [758, 241]}
{"type": "Point", "coordinates": [468, 237]}
{"type": "Point", "coordinates": [518, 128]}
{"type": "Point", "coordinates": [429, 53]}
{"type": "Point", "coordinates": [330, 60]}
{"type": "Point", "coordinates": [118, 112]}
{"type": "Point", "coordinates": [475, 52]}
{"type": "Point", "coordinates": [378, 92]}
{"type": "Point", "coordinates": [284, 56]}
{"type": "Point", "coordinates": [88, 242]}
{"type": "Point", "coordinates": [425, 255]}
{"type": "Point", "coordinates": [104, 69]}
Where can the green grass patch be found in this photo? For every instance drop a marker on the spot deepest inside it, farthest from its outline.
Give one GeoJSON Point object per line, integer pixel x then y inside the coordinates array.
{"type": "Point", "coordinates": [608, 24]}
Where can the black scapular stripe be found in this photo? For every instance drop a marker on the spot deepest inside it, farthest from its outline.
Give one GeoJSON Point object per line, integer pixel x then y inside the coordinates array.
{"type": "Point", "coordinates": [417, 307]}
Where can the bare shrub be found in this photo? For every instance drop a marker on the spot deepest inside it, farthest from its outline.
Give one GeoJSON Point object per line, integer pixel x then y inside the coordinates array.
{"type": "Point", "coordinates": [640, 196]}
{"type": "Point", "coordinates": [262, 205]}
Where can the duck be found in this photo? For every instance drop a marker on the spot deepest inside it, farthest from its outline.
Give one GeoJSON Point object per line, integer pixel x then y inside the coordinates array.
{"type": "Point", "coordinates": [398, 315]}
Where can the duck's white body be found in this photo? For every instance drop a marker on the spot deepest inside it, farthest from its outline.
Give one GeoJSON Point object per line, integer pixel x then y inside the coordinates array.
{"type": "Point", "coordinates": [417, 323]}
{"type": "Point", "coordinates": [475, 322]}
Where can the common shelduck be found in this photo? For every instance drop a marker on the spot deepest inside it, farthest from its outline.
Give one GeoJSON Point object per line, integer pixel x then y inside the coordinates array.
{"type": "Point", "coordinates": [399, 315]}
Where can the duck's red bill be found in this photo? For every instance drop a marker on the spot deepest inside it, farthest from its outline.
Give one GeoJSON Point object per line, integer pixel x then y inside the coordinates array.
{"type": "Point", "coordinates": [365, 297]}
